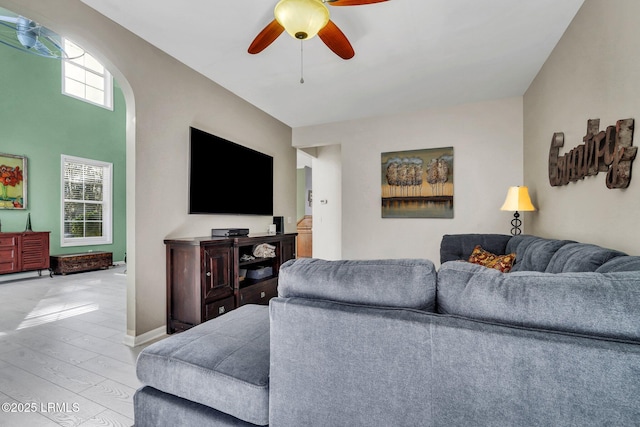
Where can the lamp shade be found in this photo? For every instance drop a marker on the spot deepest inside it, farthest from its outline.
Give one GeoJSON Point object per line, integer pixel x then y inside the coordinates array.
{"type": "Point", "coordinates": [302, 19]}
{"type": "Point", "coordinates": [518, 200]}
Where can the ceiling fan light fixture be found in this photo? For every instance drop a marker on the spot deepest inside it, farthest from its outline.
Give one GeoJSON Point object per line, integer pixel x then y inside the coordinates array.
{"type": "Point", "coordinates": [302, 19]}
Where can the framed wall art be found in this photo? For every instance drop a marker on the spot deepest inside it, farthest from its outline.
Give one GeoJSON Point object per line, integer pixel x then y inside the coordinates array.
{"type": "Point", "coordinates": [13, 182]}
{"type": "Point", "coordinates": [417, 183]}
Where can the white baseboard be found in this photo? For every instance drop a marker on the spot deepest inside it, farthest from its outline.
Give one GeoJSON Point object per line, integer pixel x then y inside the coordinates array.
{"type": "Point", "coordinates": [132, 341]}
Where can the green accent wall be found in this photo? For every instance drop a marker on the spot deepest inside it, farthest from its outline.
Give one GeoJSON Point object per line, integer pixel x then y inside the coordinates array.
{"type": "Point", "coordinates": [37, 121]}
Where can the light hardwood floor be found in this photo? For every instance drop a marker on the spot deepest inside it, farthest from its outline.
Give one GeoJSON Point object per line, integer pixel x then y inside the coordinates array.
{"type": "Point", "coordinates": [62, 360]}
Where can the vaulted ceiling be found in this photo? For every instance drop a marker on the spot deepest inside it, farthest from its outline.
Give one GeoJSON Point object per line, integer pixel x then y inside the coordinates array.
{"type": "Point", "coordinates": [410, 54]}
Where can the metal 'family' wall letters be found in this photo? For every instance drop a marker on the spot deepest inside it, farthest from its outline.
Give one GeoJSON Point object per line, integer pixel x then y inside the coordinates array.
{"type": "Point", "coordinates": [607, 151]}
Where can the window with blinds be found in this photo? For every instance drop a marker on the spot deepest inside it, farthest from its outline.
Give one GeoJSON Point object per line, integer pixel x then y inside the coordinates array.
{"type": "Point", "coordinates": [86, 204]}
{"type": "Point", "coordinates": [85, 78]}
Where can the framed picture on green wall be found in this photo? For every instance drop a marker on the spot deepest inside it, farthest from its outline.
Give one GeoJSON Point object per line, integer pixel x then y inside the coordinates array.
{"type": "Point", "coordinates": [13, 181]}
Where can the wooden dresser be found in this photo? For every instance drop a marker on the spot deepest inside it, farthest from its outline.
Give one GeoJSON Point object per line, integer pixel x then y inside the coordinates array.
{"type": "Point", "coordinates": [24, 251]}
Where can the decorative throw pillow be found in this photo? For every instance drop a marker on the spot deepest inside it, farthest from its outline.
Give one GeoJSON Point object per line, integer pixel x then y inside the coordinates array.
{"type": "Point", "coordinates": [502, 263]}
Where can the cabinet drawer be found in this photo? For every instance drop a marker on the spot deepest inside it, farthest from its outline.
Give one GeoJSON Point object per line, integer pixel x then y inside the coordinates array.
{"type": "Point", "coordinates": [218, 308]}
{"type": "Point", "coordinates": [8, 255]}
{"type": "Point", "coordinates": [8, 267]}
{"type": "Point", "coordinates": [8, 241]}
{"type": "Point", "coordinates": [9, 260]}
{"type": "Point", "coordinates": [260, 293]}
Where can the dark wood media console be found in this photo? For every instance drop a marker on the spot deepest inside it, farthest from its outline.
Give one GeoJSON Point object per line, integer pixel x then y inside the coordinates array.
{"type": "Point", "coordinates": [204, 280]}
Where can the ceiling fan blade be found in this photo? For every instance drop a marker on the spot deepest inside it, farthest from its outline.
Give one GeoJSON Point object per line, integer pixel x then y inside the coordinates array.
{"type": "Point", "coordinates": [266, 37]}
{"type": "Point", "coordinates": [11, 19]}
{"type": "Point", "coordinates": [352, 2]}
{"type": "Point", "coordinates": [42, 49]}
{"type": "Point", "coordinates": [335, 40]}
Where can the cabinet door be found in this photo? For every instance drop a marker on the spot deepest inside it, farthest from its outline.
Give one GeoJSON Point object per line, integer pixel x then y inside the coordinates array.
{"type": "Point", "coordinates": [217, 277]}
{"type": "Point", "coordinates": [35, 251]}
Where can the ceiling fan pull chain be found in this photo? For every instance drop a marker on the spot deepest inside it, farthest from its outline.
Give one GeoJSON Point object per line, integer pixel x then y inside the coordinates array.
{"type": "Point", "coordinates": [301, 62]}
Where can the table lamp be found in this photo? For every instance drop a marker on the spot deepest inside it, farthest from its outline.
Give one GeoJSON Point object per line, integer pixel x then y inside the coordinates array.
{"type": "Point", "coordinates": [517, 200]}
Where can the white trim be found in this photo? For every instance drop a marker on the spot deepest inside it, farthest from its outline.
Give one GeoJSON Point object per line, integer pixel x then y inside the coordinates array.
{"type": "Point", "coordinates": [107, 207]}
{"type": "Point", "coordinates": [134, 341]}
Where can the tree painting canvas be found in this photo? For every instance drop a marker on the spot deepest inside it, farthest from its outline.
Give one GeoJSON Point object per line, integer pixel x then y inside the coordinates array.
{"type": "Point", "coordinates": [418, 183]}
{"type": "Point", "coordinates": [13, 182]}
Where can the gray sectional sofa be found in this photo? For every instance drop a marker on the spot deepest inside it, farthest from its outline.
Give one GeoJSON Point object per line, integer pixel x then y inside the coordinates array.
{"type": "Point", "coordinates": [554, 342]}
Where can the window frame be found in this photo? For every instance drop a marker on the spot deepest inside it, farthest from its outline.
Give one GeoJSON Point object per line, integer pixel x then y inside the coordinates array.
{"type": "Point", "coordinates": [106, 77]}
{"type": "Point", "coordinates": [107, 203]}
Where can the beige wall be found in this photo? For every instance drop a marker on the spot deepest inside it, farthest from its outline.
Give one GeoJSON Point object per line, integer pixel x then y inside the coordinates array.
{"type": "Point", "coordinates": [594, 72]}
{"type": "Point", "coordinates": [164, 98]}
{"type": "Point", "coordinates": [487, 141]}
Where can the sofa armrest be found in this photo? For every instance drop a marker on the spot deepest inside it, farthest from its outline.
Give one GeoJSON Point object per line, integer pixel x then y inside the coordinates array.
{"type": "Point", "coordinates": [406, 283]}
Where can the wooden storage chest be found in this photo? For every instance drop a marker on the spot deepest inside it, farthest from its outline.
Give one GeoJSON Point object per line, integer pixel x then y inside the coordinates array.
{"type": "Point", "coordinates": [86, 261]}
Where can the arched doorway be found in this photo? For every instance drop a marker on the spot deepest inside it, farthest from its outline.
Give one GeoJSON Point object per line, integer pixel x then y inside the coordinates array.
{"type": "Point", "coordinates": [42, 163]}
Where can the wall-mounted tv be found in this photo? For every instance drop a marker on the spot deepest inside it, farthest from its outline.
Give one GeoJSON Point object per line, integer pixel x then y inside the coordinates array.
{"type": "Point", "coordinates": [227, 178]}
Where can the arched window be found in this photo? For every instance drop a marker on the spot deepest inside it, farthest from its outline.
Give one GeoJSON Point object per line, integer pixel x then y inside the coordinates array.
{"type": "Point", "coordinates": [85, 78]}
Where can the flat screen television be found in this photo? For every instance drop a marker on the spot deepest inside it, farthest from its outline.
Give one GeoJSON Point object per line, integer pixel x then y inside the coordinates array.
{"type": "Point", "coordinates": [227, 178]}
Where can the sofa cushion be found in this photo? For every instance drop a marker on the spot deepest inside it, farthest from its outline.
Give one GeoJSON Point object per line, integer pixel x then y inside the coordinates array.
{"type": "Point", "coordinates": [579, 257]}
{"type": "Point", "coordinates": [621, 263]}
{"type": "Point", "coordinates": [222, 364]}
{"type": "Point", "coordinates": [604, 305]}
{"type": "Point", "coordinates": [409, 283]}
{"type": "Point", "coordinates": [484, 258]}
{"type": "Point", "coordinates": [533, 253]}
{"type": "Point", "coordinates": [459, 246]}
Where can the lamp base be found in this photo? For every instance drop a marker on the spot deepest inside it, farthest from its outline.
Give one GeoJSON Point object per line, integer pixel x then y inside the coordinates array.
{"type": "Point", "coordinates": [515, 224]}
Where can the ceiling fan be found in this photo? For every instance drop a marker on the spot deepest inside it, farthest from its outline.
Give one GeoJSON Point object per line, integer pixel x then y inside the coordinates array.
{"type": "Point", "coordinates": [303, 19]}
{"type": "Point", "coordinates": [28, 36]}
